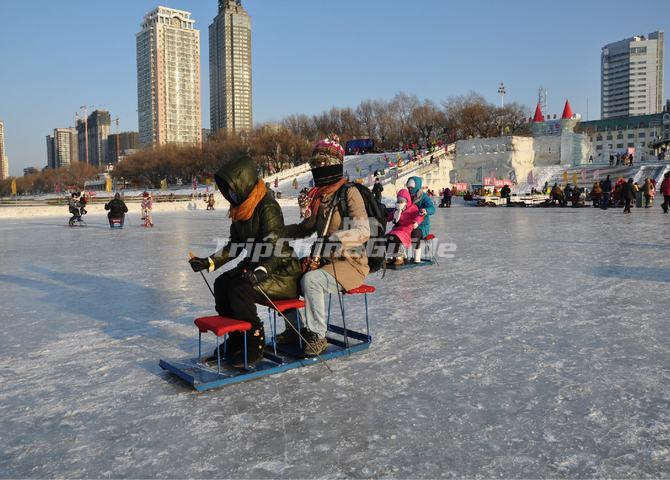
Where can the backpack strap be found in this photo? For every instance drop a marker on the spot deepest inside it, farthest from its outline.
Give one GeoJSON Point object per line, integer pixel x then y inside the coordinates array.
{"type": "Point", "coordinates": [343, 200]}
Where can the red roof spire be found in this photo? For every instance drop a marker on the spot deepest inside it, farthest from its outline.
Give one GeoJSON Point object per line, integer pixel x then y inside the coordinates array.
{"type": "Point", "coordinates": [538, 114]}
{"type": "Point", "coordinates": [567, 111]}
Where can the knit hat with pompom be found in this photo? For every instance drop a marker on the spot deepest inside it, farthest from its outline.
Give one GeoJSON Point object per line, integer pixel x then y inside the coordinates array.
{"type": "Point", "coordinates": [327, 162]}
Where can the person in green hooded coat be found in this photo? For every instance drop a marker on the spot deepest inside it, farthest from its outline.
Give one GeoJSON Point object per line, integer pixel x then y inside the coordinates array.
{"type": "Point", "coordinates": [269, 267]}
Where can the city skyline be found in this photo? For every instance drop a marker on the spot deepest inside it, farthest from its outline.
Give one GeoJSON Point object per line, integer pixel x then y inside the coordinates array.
{"type": "Point", "coordinates": [293, 59]}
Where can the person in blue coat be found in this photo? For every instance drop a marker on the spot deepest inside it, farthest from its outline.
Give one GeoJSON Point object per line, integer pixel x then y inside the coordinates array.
{"type": "Point", "coordinates": [426, 208]}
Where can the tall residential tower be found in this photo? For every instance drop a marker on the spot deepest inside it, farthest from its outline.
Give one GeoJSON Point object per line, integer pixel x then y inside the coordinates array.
{"type": "Point", "coordinates": [230, 68]}
{"type": "Point", "coordinates": [631, 81]}
{"type": "Point", "coordinates": [93, 132]}
{"type": "Point", "coordinates": [62, 148]}
{"type": "Point", "coordinates": [168, 79]}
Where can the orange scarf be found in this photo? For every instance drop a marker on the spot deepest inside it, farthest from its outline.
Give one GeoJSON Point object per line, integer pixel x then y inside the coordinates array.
{"type": "Point", "coordinates": [245, 210]}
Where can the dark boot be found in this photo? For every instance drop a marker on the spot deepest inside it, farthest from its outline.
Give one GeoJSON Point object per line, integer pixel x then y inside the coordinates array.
{"type": "Point", "coordinates": [255, 347]}
{"type": "Point", "coordinates": [234, 345]}
{"type": "Point", "coordinates": [287, 337]}
{"type": "Point", "coordinates": [314, 345]}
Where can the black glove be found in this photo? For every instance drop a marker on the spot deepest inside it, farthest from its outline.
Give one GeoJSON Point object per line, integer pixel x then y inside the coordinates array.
{"type": "Point", "coordinates": [256, 276]}
{"type": "Point", "coordinates": [198, 263]}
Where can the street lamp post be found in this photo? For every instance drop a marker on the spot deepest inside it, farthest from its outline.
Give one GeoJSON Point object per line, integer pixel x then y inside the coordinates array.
{"type": "Point", "coordinates": [501, 91]}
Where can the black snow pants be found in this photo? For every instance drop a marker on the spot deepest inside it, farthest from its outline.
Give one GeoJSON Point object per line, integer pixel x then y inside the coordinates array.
{"type": "Point", "coordinates": [666, 203]}
{"type": "Point", "coordinates": [236, 298]}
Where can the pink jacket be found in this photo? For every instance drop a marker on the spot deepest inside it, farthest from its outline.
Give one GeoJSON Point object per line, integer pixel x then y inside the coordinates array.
{"type": "Point", "coordinates": [405, 224]}
{"type": "Point", "coordinates": [665, 186]}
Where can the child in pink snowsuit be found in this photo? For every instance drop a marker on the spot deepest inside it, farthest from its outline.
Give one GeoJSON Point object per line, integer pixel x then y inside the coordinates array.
{"type": "Point", "coordinates": [405, 219]}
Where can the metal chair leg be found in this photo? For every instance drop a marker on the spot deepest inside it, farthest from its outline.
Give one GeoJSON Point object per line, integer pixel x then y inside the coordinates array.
{"type": "Point", "coordinates": [298, 318]}
{"type": "Point", "coordinates": [218, 356]}
{"type": "Point", "coordinates": [274, 336]}
{"type": "Point", "coordinates": [344, 324]}
{"type": "Point", "coordinates": [330, 298]}
{"type": "Point", "coordinates": [245, 351]}
{"type": "Point", "coordinates": [367, 323]}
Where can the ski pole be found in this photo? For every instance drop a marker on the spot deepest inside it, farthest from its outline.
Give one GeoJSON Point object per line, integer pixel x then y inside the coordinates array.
{"type": "Point", "coordinates": [190, 254]}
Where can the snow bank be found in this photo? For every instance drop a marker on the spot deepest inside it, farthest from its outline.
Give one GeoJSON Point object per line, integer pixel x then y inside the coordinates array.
{"type": "Point", "coordinates": [40, 211]}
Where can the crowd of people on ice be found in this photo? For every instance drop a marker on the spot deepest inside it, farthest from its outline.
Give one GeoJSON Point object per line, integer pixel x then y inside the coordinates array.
{"type": "Point", "coordinates": [602, 194]}
{"type": "Point", "coordinates": [338, 212]}
{"type": "Point", "coordinates": [607, 194]}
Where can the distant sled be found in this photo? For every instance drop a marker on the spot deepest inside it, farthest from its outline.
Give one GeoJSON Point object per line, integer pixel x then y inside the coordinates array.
{"type": "Point", "coordinates": [410, 264]}
{"type": "Point", "coordinates": [116, 223]}
{"type": "Point", "coordinates": [205, 374]}
{"type": "Point", "coordinates": [425, 262]}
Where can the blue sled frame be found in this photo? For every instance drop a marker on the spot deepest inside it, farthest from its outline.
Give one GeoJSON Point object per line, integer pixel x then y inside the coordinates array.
{"type": "Point", "coordinates": [204, 377]}
{"type": "Point", "coordinates": [412, 264]}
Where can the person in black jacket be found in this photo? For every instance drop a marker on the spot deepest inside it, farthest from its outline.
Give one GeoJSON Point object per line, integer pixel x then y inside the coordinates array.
{"type": "Point", "coordinates": [117, 209]}
{"type": "Point", "coordinates": [505, 193]}
{"type": "Point", "coordinates": [377, 190]}
{"type": "Point", "coordinates": [627, 195]}
{"type": "Point", "coordinates": [607, 191]}
{"type": "Point", "coordinates": [446, 198]}
{"type": "Point", "coordinates": [269, 265]}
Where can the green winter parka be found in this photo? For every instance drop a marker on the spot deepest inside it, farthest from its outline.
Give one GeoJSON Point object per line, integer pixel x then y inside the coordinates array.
{"type": "Point", "coordinates": [259, 235]}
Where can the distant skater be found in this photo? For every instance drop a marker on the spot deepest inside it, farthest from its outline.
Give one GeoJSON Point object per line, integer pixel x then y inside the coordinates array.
{"type": "Point", "coordinates": [117, 210]}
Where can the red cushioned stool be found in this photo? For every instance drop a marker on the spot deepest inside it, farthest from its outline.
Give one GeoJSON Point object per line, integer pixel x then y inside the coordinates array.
{"type": "Point", "coordinates": [282, 306]}
{"type": "Point", "coordinates": [362, 290]}
{"type": "Point", "coordinates": [221, 327]}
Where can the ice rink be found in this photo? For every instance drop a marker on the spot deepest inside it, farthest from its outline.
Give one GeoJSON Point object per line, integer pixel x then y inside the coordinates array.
{"type": "Point", "coordinates": [542, 349]}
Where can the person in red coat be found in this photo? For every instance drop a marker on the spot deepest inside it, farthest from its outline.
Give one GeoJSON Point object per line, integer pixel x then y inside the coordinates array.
{"type": "Point", "coordinates": [665, 191]}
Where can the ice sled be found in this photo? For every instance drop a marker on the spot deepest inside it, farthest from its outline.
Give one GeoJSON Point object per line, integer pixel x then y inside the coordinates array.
{"type": "Point", "coordinates": [115, 223]}
{"type": "Point", "coordinates": [429, 259]}
{"type": "Point", "coordinates": [204, 374]}
{"type": "Point", "coordinates": [410, 264]}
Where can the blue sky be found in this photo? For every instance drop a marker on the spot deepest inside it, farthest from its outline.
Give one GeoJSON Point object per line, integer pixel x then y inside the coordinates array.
{"type": "Point", "coordinates": [309, 55]}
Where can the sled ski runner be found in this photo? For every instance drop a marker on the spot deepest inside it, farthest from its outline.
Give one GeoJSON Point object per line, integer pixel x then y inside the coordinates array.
{"type": "Point", "coordinates": [411, 264]}
{"type": "Point", "coordinates": [206, 372]}
{"type": "Point", "coordinates": [428, 247]}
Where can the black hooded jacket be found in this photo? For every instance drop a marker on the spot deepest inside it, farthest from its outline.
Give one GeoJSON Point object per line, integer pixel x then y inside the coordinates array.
{"type": "Point", "coordinates": [116, 207]}
{"type": "Point", "coordinates": [259, 234]}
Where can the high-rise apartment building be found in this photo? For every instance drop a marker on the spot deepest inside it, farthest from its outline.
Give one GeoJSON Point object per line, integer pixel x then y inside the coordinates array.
{"type": "Point", "coordinates": [51, 152]}
{"type": "Point", "coordinates": [168, 79]}
{"type": "Point", "coordinates": [230, 68]}
{"type": "Point", "coordinates": [62, 148]}
{"type": "Point", "coordinates": [4, 161]}
{"type": "Point", "coordinates": [92, 133]}
{"type": "Point", "coordinates": [631, 81]}
{"type": "Point", "coordinates": [120, 144]}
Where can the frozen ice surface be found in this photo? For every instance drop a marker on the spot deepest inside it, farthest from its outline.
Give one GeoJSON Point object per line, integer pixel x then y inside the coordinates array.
{"type": "Point", "coordinates": [542, 349]}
